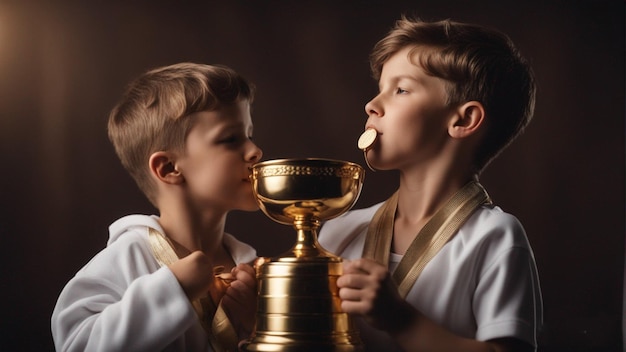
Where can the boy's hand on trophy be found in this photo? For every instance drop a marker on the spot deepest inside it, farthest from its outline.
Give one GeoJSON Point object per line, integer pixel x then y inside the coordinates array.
{"type": "Point", "coordinates": [195, 274]}
{"type": "Point", "coordinates": [240, 300]}
{"type": "Point", "coordinates": [366, 288]}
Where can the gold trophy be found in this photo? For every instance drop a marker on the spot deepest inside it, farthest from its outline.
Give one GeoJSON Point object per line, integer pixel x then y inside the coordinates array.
{"type": "Point", "coordinates": [298, 305]}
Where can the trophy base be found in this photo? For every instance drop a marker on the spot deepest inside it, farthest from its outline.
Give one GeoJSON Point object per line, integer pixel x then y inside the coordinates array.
{"type": "Point", "coordinates": [300, 344]}
{"type": "Point", "coordinates": [299, 308]}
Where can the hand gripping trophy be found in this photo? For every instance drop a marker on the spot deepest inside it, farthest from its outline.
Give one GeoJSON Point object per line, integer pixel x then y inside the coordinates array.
{"type": "Point", "coordinates": [298, 305]}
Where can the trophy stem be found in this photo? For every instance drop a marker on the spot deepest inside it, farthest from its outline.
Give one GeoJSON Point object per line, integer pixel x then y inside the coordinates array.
{"type": "Point", "coordinates": [306, 243]}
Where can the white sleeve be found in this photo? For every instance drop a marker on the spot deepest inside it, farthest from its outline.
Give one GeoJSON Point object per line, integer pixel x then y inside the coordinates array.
{"type": "Point", "coordinates": [507, 299]}
{"type": "Point", "coordinates": [116, 304]}
{"type": "Point", "coordinates": [345, 235]}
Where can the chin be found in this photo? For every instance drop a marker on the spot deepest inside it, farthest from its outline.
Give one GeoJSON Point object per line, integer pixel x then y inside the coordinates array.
{"type": "Point", "coordinates": [251, 208]}
{"type": "Point", "coordinates": [251, 205]}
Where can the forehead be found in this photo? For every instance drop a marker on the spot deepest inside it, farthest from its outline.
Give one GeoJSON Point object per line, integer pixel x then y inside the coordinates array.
{"type": "Point", "coordinates": [404, 67]}
{"type": "Point", "coordinates": [403, 64]}
{"type": "Point", "coordinates": [237, 113]}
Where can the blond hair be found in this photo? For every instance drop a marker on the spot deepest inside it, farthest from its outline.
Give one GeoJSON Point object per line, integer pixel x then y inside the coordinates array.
{"type": "Point", "coordinates": [152, 114]}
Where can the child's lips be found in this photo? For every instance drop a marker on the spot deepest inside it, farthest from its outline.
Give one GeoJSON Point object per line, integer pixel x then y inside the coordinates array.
{"type": "Point", "coordinates": [248, 177]}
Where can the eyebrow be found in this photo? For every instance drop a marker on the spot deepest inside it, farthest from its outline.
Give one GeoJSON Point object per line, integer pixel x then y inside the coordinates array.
{"type": "Point", "coordinates": [397, 78]}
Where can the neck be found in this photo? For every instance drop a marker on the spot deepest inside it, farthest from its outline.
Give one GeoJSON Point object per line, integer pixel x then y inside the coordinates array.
{"type": "Point", "coordinates": [194, 231]}
{"type": "Point", "coordinates": [422, 192]}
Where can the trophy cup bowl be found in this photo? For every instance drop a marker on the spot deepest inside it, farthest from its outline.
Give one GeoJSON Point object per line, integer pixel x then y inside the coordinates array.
{"type": "Point", "coordinates": [298, 304]}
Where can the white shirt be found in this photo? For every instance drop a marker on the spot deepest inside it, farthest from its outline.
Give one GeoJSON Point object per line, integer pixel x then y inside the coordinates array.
{"type": "Point", "coordinates": [122, 300]}
{"type": "Point", "coordinates": [483, 284]}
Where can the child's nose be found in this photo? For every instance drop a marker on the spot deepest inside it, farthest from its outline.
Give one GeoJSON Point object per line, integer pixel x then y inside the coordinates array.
{"type": "Point", "coordinates": [373, 108]}
{"type": "Point", "coordinates": [255, 153]}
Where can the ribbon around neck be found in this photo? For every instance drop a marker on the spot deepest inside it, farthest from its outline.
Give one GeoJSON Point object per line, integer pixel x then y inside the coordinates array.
{"type": "Point", "coordinates": [429, 240]}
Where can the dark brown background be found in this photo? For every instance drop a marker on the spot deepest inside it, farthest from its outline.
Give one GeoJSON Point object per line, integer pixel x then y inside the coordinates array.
{"type": "Point", "coordinates": [63, 65]}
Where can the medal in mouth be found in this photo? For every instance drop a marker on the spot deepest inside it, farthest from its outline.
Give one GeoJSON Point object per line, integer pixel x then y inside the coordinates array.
{"type": "Point", "coordinates": [365, 143]}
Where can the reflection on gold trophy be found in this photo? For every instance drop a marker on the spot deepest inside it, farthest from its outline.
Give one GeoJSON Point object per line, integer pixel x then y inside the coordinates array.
{"type": "Point", "coordinates": [298, 305]}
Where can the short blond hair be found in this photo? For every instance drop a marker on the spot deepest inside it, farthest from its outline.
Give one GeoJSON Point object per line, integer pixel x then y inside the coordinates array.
{"type": "Point", "coordinates": [152, 114]}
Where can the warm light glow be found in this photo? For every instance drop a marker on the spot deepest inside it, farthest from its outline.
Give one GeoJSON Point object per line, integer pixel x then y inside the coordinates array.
{"type": "Point", "coordinates": [8, 19]}
{"type": "Point", "coordinates": [275, 185]}
{"type": "Point", "coordinates": [2, 28]}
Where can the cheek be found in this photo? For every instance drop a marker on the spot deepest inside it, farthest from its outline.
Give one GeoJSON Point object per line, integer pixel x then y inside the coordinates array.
{"type": "Point", "coordinates": [403, 128]}
{"type": "Point", "coordinates": [414, 132]}
{"type": "Point", "coordinates": [204, 175]}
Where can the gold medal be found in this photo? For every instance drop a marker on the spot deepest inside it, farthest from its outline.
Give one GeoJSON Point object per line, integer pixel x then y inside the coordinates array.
{"type": "Point", "coordinates": [367, 139]}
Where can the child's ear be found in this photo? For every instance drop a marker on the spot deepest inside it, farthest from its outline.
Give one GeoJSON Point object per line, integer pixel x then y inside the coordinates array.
{"type": "Point", "coordinates": [163, 167]}
{"type": "Point", "coordinates": [467, 120]}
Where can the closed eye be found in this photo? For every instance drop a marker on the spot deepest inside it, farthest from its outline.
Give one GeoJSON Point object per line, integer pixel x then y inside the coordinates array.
{"type": "Point", "coordinates": [234, 139]}
{"type": "Point", "coordinates": [229, 139]}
